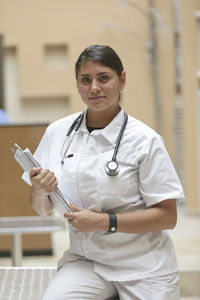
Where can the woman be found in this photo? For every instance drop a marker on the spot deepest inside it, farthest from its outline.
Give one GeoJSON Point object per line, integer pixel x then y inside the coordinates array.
{"type": "Point", "coordinates": [119, 243]}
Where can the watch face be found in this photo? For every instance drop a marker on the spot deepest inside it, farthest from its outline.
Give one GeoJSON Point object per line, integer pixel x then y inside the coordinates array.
{"type": "Point", "coordinates": [113, 229]}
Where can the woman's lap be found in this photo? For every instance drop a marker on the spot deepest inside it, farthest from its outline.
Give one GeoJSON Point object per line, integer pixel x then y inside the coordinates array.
{"type": "Point", "coordinates": [156, 288]}
{"type": "Point", "coordinates": [77, 281]}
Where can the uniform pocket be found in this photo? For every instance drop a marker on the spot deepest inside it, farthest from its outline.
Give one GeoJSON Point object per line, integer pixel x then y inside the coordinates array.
{"type": "Point", "coordinates": [112, 185]}
{"type": "Point", "coordinates": [166, 287]}
{"type": "Point", "coordinates": [125, 249]}
{"type": "Point", "coordinates": [119, 184]}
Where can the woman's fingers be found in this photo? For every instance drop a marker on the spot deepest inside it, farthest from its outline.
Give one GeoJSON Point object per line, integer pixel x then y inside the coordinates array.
{"type": "Point", "coordinates": [48, 181]}
{"type": "Point", "coordinates": [45, 179]}
{"type": "Point", "coordinates": [35, 171]}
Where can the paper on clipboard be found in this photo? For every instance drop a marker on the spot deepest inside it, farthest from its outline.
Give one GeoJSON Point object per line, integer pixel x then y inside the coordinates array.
{"type": "Point", "coordinates": [26, 160]}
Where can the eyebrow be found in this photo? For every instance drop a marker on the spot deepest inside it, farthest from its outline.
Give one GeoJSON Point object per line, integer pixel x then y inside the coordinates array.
{"type": "Point", "coordinates": [99, 74]}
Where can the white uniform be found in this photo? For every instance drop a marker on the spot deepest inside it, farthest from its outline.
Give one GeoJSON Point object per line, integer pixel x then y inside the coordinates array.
{"type": "Point", "coordinates": [146, 177]}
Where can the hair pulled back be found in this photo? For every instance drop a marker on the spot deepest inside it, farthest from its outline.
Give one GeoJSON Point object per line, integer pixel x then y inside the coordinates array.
{"type": "Point", "coordinates": [102, 54]}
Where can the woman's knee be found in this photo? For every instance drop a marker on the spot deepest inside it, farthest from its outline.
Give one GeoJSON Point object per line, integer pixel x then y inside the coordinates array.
{"type": "Point", "coordinates": [74, 294]}
{"type": "Point", "coordinates": [77, 280]}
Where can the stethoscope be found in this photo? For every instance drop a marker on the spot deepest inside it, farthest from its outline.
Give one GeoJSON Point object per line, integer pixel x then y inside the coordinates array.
{"type": "Point", "coordinates": [111, 167]}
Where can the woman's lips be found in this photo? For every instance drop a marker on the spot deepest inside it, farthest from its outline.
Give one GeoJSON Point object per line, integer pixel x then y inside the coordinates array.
{"type": "Point", "coordinates": [96, 97]}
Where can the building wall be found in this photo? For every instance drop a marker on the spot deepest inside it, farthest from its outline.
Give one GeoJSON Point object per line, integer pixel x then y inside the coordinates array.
{"type": "Point", "coordinates": [44, 38]}
{"type": "Point", "coordinates": [43, 41]}
{"type": "Point", "coordinates": [189, 39]}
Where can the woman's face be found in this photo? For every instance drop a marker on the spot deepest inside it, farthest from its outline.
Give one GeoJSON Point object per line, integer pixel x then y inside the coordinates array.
{"type": "Point", "coordinates": [99, 86]}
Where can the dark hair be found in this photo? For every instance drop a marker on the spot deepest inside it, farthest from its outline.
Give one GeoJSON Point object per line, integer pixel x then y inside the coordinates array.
{"type": "Point", "coordinates": [104, 55]}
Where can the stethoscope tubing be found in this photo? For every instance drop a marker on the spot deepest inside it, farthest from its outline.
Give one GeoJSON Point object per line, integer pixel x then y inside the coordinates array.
{"type": "Point", "coordinates": [111, 168]}
{"type": "Point", "coordinates": [118, 141]}
{"type": "Point", "coordinates": [75, 126]}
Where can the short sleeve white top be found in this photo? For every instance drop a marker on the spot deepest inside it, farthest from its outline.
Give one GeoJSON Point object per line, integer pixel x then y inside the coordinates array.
{"type": "Point", "coordinates": [146, 176]}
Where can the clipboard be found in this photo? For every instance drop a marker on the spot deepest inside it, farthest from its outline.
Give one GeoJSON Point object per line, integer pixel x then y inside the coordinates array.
{"type": "Point", "coordinates": [26, 160]}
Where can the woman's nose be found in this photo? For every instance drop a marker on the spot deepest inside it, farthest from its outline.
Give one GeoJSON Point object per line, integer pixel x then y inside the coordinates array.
{"type": "Point", "coordinates": [94, 86]}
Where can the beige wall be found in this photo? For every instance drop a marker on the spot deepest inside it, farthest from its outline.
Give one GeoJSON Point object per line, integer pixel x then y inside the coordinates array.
{"type": "Point", "coordinates": [75, 24]}
{"type": "Point", "coordinates": [189, 32]}
{"type": "Point", "coordinates": [44, 38]}
{"type": "Point", "coordinates": [166, 71]}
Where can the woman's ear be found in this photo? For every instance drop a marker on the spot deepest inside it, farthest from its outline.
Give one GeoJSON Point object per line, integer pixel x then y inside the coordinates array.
{"type": "Point", "coordinates": [123, 79]}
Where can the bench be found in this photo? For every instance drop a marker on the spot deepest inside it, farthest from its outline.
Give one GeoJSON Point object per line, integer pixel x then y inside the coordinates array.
{"type": "Point", "coordinates": [24, 283]}
{"type": "Point", "coordinates": [18, 283]}
{"type": "Point", "coordinates": [16, 226]}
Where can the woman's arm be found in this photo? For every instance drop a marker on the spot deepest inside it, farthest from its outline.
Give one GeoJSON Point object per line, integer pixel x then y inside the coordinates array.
{"type": "Point", "coordinates": [43, 183]}
{"type": "Point", "coordinates": [160, 216]}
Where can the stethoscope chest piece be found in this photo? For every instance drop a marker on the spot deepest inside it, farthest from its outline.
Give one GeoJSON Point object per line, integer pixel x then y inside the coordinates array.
{"type": "Point", "coordinates": [112, 168]}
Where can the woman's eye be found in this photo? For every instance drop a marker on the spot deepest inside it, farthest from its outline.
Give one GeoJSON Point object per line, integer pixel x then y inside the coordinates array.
{"type": "Point", "coordinates": [104, 78]}
{"type": "Point", "coordinates": [85, 80]}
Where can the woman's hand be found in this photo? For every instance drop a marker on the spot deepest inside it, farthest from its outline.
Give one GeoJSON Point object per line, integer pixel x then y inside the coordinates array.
{"type": "Point", "coordinates": [44, 181]}
{"type": "Point", "coordinates": [85, 220]}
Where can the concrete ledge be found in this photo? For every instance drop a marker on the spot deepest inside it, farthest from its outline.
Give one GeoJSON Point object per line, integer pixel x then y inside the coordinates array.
{"type": "Point", "coordinates": [190, 298]}
{"type": "Point", "coordinates": [190, 284]}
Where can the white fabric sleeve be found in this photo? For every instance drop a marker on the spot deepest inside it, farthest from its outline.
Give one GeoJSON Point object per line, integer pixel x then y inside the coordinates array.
{"type": "Point", "coordinates": [157, 175]}
{"type": "Point", "coordinates": [41, 155]}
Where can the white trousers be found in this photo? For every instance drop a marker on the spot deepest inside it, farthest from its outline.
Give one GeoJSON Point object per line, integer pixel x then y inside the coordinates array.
{"type": "Point", "coordinates": [77, 281]}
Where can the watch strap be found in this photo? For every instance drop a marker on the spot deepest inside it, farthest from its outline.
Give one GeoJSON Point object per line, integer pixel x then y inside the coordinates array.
{"type": "Point", "coordinates": [113, 222]}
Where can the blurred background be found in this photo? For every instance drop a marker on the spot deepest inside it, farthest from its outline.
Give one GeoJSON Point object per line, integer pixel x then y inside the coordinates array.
{"type": "Point", "coordinates": [159, 44]}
